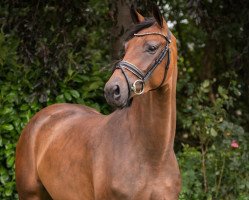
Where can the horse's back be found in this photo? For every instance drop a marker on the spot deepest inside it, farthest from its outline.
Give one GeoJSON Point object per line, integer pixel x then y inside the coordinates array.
{"type": "Point", "coordinates": [50, 146]}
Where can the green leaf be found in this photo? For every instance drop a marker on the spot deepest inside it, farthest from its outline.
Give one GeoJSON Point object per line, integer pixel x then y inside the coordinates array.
{"type": "Point", "coordinates": [94, 86]}
{"type": "Point", "coordinates": [68, 96]}
{"type": "Point", "coordinates": [11, 97]}
{"type": "Point", "coordinates": [24, 107]}
{"type": "Point", "coordinates": [213, 132]}
{"type": "Point", "coordinates": [7, 127]}
{"type": "Point", "coordinates": [4, 177]}
{"type": "Point", "coordinates": [6, 110]}
{"type": "Point", "coordinates": [70, 71]}
{"type": "Point", "coordinates": [206, 83]}
{"type": "Point", "coordinates": [60, 99]}
{"type": "Point", "coordinates": [8, 192]}
{"type": "Point", "coordinates": [223, 92]}
{"type": "Point", "coordinates": [75, 94]}
{"type": "Point", "coordinates": [10, 161]}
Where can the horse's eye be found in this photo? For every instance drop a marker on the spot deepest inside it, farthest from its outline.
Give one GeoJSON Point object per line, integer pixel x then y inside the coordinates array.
{"type": "Point", "coordinates": [152, 49]}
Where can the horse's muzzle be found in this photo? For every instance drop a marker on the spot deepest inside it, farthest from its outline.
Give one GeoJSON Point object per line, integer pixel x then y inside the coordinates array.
{"type": "Point", "coordinates": [116, 94]}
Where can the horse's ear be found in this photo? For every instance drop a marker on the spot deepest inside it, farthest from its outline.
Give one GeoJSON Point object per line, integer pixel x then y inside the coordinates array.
{"type": "Point", "coordinates": [157, 15]}
{"type": "Point", "coordinates": [135, 16]}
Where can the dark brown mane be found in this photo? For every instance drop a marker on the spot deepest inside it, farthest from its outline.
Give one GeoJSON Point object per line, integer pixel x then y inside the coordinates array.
{"type": "Point", "coordinates": [138, 27]}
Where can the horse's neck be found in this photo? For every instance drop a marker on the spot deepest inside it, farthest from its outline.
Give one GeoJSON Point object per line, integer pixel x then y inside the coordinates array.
{"type": "Point", "coordinates": [153, 118]}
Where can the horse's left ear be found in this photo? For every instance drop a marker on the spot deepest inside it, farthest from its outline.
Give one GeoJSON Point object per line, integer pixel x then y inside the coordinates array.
{"type": "Point", "coordinates": [136, 16]}
{"type": "Point", "coordinates": [157, 15]}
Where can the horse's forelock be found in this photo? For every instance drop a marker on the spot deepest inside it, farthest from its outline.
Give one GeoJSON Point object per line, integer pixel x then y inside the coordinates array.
{"type": "Point", "coordinates": [138, 27]}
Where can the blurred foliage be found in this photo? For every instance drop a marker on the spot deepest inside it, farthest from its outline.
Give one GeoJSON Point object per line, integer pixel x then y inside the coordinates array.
{"type": "Point", "coordinates": [212, 167]}
{"type": "Point", "coordinates": [58, 51]}
{"type": "Point", "coordinates": [212, 97]}
{"type": "Point", "coordinates": [50, 52]}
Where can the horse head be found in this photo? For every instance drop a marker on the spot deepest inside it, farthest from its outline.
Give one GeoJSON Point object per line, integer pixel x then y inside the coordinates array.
{"type": "Point", "coordinates": [145, 64]}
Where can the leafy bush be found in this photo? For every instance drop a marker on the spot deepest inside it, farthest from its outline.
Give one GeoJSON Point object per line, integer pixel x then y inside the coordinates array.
{"type": "Point", "coordinates": [41, 65]}
{"type": "Point", "coordinates": [15, 111]}
{"type": "Point", "coordinates": [215, 164]}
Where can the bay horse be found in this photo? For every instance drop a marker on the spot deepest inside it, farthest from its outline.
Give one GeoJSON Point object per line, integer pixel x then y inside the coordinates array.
{"type": "Point", "coordinates": [72, 152]}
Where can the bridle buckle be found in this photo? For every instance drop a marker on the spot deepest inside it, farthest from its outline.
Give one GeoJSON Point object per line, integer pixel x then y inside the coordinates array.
{"type": "Point", "coordinates": [135, 89]}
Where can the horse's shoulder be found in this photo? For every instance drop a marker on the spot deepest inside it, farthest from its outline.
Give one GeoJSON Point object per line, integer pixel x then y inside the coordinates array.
{"type": "Point", "coordinates": [67, 109]}
{"type": "Point", "coordinates": [58, 113]}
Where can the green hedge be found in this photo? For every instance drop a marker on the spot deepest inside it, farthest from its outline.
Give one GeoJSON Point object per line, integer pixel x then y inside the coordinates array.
{"type": "Point", "coordinates": [41, 65]}
{"type": "Point", "coordinates": [214, 160]}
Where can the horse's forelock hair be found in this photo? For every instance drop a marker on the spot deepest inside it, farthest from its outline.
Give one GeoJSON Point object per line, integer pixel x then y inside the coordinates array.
{"type": "Point", "coordinates": [148, 22]}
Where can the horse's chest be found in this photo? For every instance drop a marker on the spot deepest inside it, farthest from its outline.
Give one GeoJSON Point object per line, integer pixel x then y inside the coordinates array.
{"type": "Point", "coordinates": [140, 189]}
{"type": "Point", "coordinates": [140, 183]}
{"type": "Point", "coordinates": [127, 174]}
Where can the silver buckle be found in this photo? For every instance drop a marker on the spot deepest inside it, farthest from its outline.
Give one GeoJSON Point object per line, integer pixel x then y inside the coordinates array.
{"type": "Point", "coordinates": [134, 87]}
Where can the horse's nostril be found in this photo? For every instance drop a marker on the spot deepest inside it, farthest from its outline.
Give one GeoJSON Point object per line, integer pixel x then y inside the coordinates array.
{"type": "Point", "coordinates": [116, 92]}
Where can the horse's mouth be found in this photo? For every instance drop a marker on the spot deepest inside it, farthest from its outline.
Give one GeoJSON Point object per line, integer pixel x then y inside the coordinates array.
{"type": "Point", "coordinates": [120, 104]}
{"type": "Point", "coordinates": [126, 104]}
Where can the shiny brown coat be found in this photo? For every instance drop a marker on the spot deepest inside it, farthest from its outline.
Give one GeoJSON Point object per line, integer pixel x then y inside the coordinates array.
{"type": "Point", "coordinates": [72, 152]}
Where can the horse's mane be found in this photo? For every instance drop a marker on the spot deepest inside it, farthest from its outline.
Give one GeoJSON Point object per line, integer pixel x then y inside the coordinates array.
{"type": "Point", "coordinates": [138, 27]}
